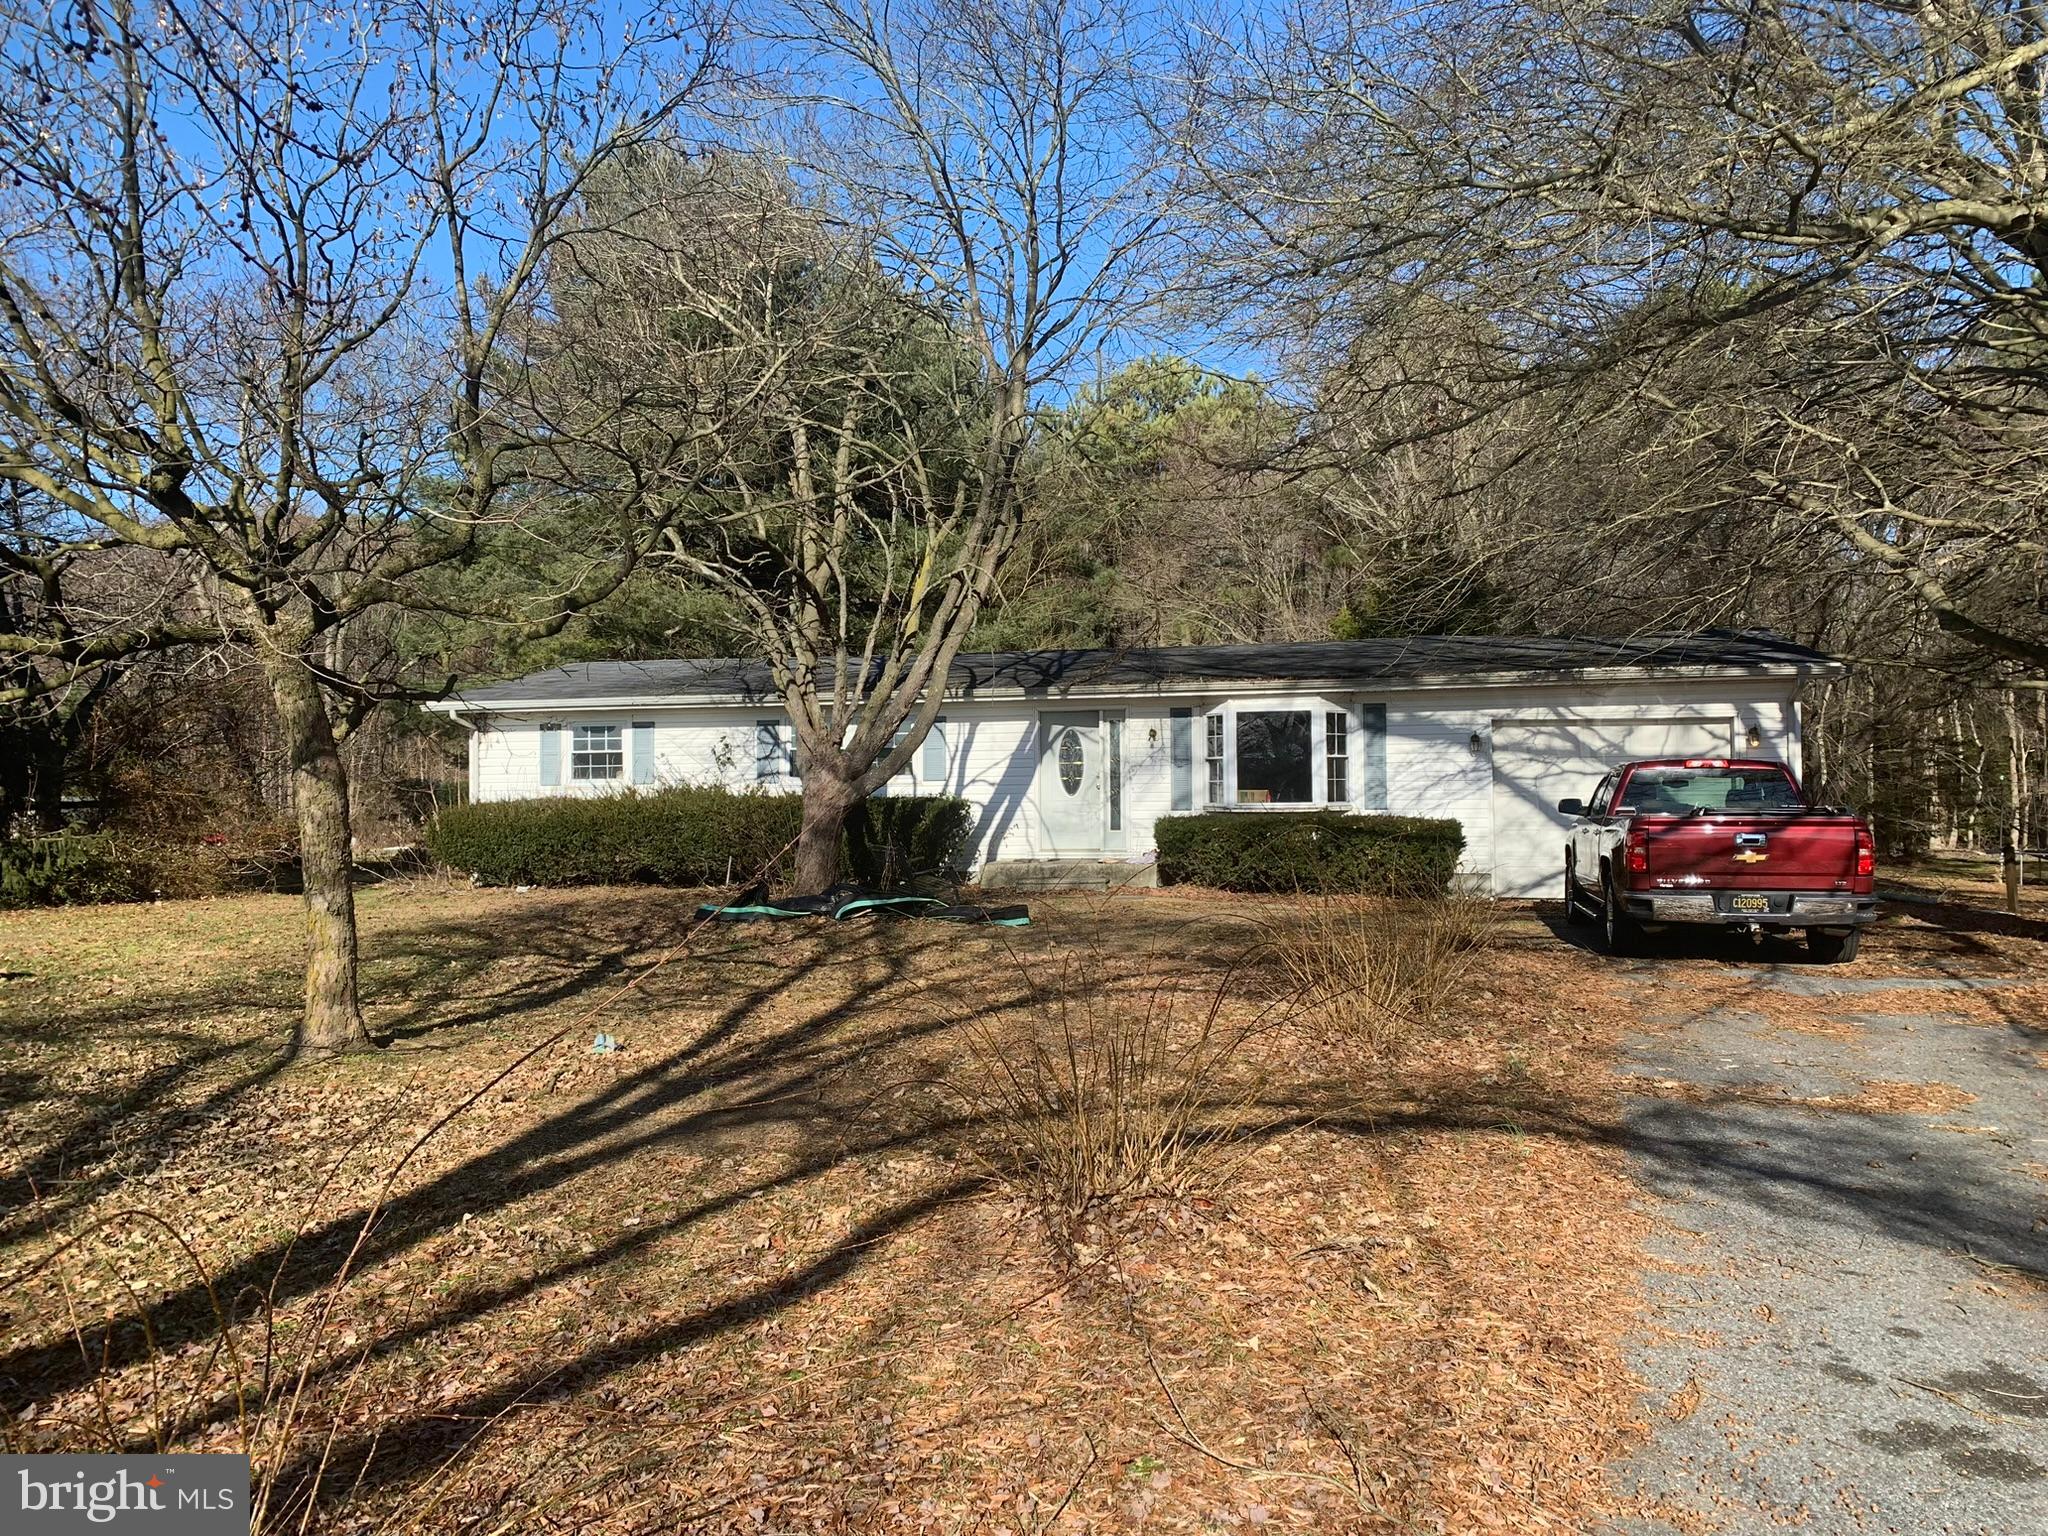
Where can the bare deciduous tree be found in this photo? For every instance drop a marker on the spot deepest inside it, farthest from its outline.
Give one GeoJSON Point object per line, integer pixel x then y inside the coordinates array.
{"type": "Point", "coordinates": [53, 668]}
{"type": "Point", "coordinates": [964, 210]}
{"type": "Point", "coordinates": [1581, 202]}
{"type": "Point", "coordinates": [261, 272]}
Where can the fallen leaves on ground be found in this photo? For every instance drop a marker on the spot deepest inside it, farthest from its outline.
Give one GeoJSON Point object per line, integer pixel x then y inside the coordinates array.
{"type": "Point", "coordinates": [748, 1273]}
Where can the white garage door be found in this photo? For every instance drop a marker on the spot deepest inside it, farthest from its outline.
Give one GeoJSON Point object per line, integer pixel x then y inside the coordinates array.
{"type": "Point", "coordinates": [1537, 763]}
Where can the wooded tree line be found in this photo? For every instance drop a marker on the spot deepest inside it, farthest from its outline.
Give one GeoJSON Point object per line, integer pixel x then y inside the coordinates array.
{"type": "Point", "coordinates": [346, 355]}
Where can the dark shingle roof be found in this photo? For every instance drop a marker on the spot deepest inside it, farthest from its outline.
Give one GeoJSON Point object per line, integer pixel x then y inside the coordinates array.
{"type": "Point", "coordinates": [1404, 663]}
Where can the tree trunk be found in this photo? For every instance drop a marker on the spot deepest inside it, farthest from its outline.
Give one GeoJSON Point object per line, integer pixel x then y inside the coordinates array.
{"type": "Point", "coordinates": [2015, 803]}
{"type": "Point", "coordinates": [2041, 734]}
{"type": "Point", "coordinates": [1960, 799]}
{"type": "Point", "coordinates": [827, 804]}
{"type": "Point", "coordinates": [14, 780]}
{"type": "Point", "coordinates": [332, 1020]}
{"type": "Point", "coordinates": [1981, 802]}
{"type": "Point", "coordinates": [1813, 748]}
{"type": "Point", "coordinates": [46, 780]}
{"type": "Point", "coordinates": [32, 758]}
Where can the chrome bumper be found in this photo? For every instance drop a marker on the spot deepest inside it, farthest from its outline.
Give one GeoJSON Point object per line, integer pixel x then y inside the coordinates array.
{"type": "Point", "coordinates": [1789, 909]}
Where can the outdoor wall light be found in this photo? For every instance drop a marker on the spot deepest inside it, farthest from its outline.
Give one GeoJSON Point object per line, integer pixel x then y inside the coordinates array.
{"type": "Point", "coordinates": [1753, 737]}
{"type": "Point", "coordinates": [1152, 737]}
{"type": "Point", "coordinates": [1477, 744]}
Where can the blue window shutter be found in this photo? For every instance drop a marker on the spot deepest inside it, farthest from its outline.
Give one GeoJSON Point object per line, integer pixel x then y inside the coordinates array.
{"type": "Point", "coordinates": [767, 749]}
{"type": "Point", "coordinates": [643, 751]}
{"type": "Point", "coordinates": [933, 766]}
{"type": "Point", "coordinates": [550, 756]}
{"type": "Point", "coordinates": [1372, 755]}
{"type": "Point", "coordinates": [1183, 756]}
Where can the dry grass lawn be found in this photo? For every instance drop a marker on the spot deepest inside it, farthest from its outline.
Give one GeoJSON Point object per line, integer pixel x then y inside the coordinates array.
{"type": "Point", "coordinates": [765, 1268]}
{"type": "Point", "coordinates": [1969, 880]}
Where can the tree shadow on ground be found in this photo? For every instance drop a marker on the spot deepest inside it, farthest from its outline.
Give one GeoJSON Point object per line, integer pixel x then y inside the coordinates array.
{"type": "Point", "coordinates": [440, 977]}
{"type": "Point", "coordinates": [1890, 1175]}
{"type": "Point", "coordinates": [1955, 917]}
{"type": "Point", "coordinates": [1814, 1165]}
{"type": "Point", "coordinates": [1820, 1164]}
{"type": "Point", "coordinates": [77, 1165]}
{"type": "Point", "coordinates": [771, 1058]}
{"type": "Point", "coordinates": [399, 1450]}
{"type": "Point", "coordinates": [803, 1075]}
{"type": "Point", "coordinates": [1859, 1174]}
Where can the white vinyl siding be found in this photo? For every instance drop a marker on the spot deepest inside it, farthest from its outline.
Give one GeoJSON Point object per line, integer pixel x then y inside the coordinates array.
{"type": "Point", "coordinates": [1409, 753]}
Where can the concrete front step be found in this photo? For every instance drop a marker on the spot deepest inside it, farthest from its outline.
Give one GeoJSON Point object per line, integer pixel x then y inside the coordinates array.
{"type": "Point", "coordinates": [1067, 875]}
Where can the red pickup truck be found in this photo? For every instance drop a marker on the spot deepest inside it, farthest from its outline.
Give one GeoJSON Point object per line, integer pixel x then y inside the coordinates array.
{"type": "Point", "coordinates": [1732, 841]}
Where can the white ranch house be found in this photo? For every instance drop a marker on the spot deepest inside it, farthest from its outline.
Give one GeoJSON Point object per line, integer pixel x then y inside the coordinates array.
{"type": "Point", "coordinates": [1070, 757]}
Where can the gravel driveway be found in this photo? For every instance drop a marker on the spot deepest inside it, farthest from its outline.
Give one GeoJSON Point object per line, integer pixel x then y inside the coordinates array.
{"type": "Point", "coordinates": [1849, 1298]}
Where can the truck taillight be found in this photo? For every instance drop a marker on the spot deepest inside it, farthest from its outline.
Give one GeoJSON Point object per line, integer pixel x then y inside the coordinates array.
{"type": "Point", "coordinates": [1866, 853]}
{"type": "Point", "coordinates": [1638, 853]}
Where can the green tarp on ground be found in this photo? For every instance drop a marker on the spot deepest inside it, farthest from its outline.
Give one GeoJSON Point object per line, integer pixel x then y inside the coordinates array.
{"type": "Point", "coordinates": [755, 905]}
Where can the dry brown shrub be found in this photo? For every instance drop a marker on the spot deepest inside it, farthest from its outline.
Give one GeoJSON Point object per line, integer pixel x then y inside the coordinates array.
{"type": "Point", "coordinates": [1373, 972]}
{"type": "Point", "coordinates": [1100, 1094]}
{"type": "Point", "coordinates": [242, 1387]}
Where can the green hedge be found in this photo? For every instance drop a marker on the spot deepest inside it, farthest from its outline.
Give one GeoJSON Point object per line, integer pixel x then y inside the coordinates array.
{"type": "Point", "coordinates": [66, 869]}
{"type": "Point", "coordinates": [1319, 851]}
{"type": "Point", "coordinates": [893, 840]}
{"type": "Point", "coordinates": [686, 836]}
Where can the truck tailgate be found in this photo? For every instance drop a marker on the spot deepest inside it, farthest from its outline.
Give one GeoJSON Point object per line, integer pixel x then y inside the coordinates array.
{"type": "Point", "coordinates": [1780, 853]}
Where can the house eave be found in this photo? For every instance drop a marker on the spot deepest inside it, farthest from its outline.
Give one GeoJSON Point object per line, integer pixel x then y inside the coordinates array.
{"type": "Point", "coordinates": [1789, 672]}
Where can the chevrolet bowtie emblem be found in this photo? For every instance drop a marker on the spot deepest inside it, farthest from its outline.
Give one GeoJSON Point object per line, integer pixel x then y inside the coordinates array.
{"type": "Point", "coordinates": [1750, 856]}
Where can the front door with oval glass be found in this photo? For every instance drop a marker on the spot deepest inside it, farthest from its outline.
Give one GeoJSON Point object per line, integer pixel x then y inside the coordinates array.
{"type": "Point", "coordinates": [1070, 782]}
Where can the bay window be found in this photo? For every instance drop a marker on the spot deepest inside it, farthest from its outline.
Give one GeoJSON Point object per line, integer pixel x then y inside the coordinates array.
{"type": "Point", "coordinates": [1295, 753]}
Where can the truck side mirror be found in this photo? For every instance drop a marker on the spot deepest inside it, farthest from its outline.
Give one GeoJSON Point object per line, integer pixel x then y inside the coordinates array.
{"type": "Point", "coordinates": [1572, 807]}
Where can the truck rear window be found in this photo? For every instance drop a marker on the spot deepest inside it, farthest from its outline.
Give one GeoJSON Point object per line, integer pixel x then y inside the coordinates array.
{"type": "Point", "coordinates": [1675, 791]}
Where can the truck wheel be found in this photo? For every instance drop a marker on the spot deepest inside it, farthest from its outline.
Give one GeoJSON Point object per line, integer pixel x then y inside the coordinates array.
{"type": "Point", "coordinates": [1624, 935]}
{"type": "Point", "coordinates": [1576, 910]}
{"type": "Point", "coordinates": [1833, 948]}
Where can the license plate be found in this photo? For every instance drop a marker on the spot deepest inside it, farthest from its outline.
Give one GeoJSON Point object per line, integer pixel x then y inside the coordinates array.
{"type": "Point", "coordinates": [1749, 903]}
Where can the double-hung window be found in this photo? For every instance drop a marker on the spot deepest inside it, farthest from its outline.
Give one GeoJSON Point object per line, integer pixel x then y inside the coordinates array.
{"type": "Point", "coordinates": [1215, 744]}
{"type": "Point", "coordinates": [1336, 757]}
{"type": "Point", "coordinates": [597, 752]}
